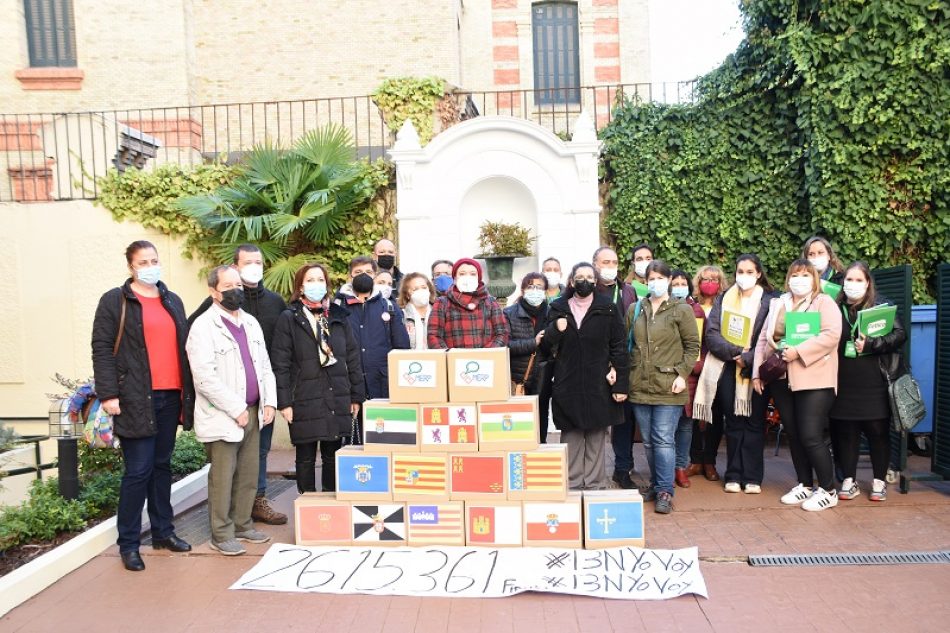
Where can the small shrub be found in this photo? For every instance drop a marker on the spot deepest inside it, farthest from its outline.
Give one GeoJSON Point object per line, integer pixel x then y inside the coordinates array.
{"type": "Point", "coordinates": [93, 461]}
{"type": "Point", "coordinates": [44, 515]}
{"type": "Point", "coordinates": [189, 454]}
{"type": "Point", "coordinates": [99, 494]}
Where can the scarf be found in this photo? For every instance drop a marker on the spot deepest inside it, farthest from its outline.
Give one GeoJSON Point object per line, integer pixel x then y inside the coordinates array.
{"type": "Point", "coordinates": [579, 307]}
{"type": "Point", "coordinates": [535, 312]}
{"type": "Point", "coordinates": [708, 381]}
{"type": "Point", "coordinates": [321, 330]}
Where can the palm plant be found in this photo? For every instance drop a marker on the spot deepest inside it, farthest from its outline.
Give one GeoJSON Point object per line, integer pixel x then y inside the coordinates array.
{"type": "Point", "coordinates": [287, 201]}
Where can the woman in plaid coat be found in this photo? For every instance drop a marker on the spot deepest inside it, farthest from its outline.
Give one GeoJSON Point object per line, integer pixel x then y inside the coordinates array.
{"type": "Point", "coordinates": [467, 316]}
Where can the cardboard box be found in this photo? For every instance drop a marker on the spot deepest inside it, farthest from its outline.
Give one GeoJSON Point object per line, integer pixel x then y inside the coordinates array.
{"type": "Point", "coordinates": [362, 476]}
{"type": "Point", "coordinates": [389, 427]}
{"type": "Point", "coordinates": [320, 519]}
{"type": "Point", "coordinates": [474, 476]}
{"type": "Point", "coordinates": [448, 427]}
{"type": "Point", "coordinates": [613, 518]}
{"type": "Point", "coordinates": [436, 523]}
{"type": "Point", "coordinates": [508, 425]}
{"type": "Point", "coordinates": [381, 524]}
{"type": "Point", "coordinates": [420, 476]}
{"type": "Point", "coordinates": [479, 375]}
{"type": "Point", "coordinates": [553, 523]}
{"type": "Point", "coordinates": [539, 474]}
{"type": "Point", "coordinates": [417, 376]}
{"type": "Point", "coordinates": [493, 523]}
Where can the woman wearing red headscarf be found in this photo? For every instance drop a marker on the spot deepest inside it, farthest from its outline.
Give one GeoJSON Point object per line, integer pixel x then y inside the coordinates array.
{"type": "Point", "coordinates": [467, 316]}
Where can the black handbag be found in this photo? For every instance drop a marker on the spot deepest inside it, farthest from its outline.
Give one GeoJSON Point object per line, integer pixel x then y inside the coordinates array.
{"type": "Point", "coordinates": [907, 403]}
{"type": "Point", "coordinates": [773, 368]}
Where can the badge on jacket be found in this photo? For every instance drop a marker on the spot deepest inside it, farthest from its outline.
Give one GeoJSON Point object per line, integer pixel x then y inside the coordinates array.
{"type": "Point", "coordinates": [385, 316]}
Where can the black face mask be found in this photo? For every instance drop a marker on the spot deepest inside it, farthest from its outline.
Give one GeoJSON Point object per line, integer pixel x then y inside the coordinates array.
{"type": "Point", "coordinates": [232, 299]}
{"type": "Point", "coordinates": [362, 283]}
{"type": "Point", "coordinates": [386, 261]}
{"type": "Point", "coordinates": [583, 288]}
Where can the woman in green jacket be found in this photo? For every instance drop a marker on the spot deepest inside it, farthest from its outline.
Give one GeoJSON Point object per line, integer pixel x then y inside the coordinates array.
{"type": "Point", "coordinates": [664, 349]}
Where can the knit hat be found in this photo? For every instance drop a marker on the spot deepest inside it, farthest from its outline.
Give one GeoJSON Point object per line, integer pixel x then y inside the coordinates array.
{"type": "Point", "coordinates": [472, 262]}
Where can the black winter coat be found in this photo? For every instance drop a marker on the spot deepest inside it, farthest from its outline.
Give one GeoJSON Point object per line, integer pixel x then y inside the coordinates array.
{"type": "Point", "coordinates": [722, 349]}
{"type": "Point", "coordinates": [521, 345]}
{"type": "Point", "coordinates": [262, 304]}
{"type": "Point", "coordinates": [582, 398]}
{"type": "Point", "coordinates": [320, 396]}
{"type": "Point", "coordinates": [127, 375]}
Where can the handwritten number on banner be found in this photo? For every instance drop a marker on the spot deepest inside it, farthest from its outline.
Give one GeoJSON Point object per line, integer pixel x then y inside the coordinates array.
{"type": "Point", "coordinates": [366, 554]}
{"type": "Point", "coordinates": [306, 554]}
{"type": "Point", "coordinates": [306, 570]}
{"type": "Point", "coordinates": [452, 576]}
{"type": "Point", "coordinates": [445, 561]}
{"type": "Point", "coordinates": [376, 565]}
{"type": "Point", "coordinates": [494, 561]}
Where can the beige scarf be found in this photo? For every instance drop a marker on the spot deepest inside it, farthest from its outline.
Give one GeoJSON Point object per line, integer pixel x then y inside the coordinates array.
{"type": "Point", "coordinates": [712, 368]}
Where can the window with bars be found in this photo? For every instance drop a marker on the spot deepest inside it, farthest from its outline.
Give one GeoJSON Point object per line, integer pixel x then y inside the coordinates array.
{"type": "Point", "coordinates": [50, 32]}
{"type": "Point", "coordinates": [557, 74]}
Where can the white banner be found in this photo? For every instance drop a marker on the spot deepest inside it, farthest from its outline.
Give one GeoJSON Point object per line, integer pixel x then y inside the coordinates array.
{"type": "Point", "coordinates": [626, 573]}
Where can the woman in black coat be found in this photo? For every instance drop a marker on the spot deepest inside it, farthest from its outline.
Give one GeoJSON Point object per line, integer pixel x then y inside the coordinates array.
{"type": "Point", "coordinates": [320, 384]}
{"type": "Point", "coordinates": [142, 379]}
{"type": "Point", "coordinates": [526, 320]}
{"type": "Point", "coordinates": [585, 335]}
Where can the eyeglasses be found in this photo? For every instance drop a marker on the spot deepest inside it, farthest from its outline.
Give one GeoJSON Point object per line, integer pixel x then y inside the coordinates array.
{"type": "Point", "coordinates": [712, 279]}
{"type": "Point", "coordinates": [534, 287]}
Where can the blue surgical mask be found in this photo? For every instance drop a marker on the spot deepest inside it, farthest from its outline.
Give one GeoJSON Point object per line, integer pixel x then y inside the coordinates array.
{"type": "Point", "coordinates": [534, 297]}
{"type": "Point", "coordinates": [443, 283]}
{"type": "Point", "coordinates": [149, 275]}
{"type": "Point", "coordinates": [315, 291]}
{"type": "Point", "coordinates": [679, 292]}
{"type": "Point", "coordinates": [658, 287]}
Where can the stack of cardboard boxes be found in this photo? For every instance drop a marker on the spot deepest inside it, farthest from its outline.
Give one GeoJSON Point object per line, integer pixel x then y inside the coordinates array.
{"type": "Point", "coordinates": [451, 458]}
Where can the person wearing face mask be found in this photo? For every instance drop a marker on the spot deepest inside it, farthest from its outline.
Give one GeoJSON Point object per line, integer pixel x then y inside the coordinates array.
{"type": "Point", "coordinates": [526, 320]}
{"type": "Point", "coordinates": [551, 269]}
{"type": "Point", "coordinates": [665, 347]}
{"type": "Point", "coordinates": [805, 395]}
{"type": "Point", "coordinates": [384, 252]}
{"type": "Point", "coordinates": [623, 296]}
{"type": "Point", "coordinates": [682, 288]}
{"type": "Point", "coordinates": [320, 384]}
{"type": "Point", "coordinates": [724, 394]}
{"type": "Point", "coordinates": [640, 257]}
{"type": "Point", "coordinates": [383, 284]}
{"type": "Point", "coordinates": [143, 381]}
{"type": "Point", "coordinates": [819, 253]}
{"type": "Point", "coordinates": [863, 405]}
{"type": "Point", "coordinates": [585, 337]}
{"type": "Point", "coordinates": [377, 323]}
{"type": "Point", "coordinates": [467, 316]}
{"type": "Point", "coordinates": [235, 397]}
{"type": "Point", "coordinates": [265, 306]}
{"type": "Point", "coordinates": [416, 296]}
{"type": "Point", "coordinates": [441, 276]}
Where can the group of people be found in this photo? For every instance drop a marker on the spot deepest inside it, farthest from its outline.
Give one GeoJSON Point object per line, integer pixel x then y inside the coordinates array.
{"type": "Point", "coordinates": [604, 356]}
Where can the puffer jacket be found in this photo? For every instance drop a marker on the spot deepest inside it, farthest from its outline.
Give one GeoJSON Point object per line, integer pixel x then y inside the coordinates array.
{"type": "Point", "coordinates": [666, 346]}
{"type": "Point", "coordinates": [127, 375]}
{"type": "Point", "coordinates": [320, 396]}
{"type": "Point", "coordinates": [522, 331]}
{"type": "Point", "coordinates": [220, 376]}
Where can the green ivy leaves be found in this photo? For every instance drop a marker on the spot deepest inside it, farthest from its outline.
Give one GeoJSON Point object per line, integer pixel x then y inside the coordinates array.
{"type": "Point", "coordinates": [414, 98]}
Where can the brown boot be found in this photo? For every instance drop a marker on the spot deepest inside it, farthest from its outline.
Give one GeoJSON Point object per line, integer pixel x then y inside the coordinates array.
{"type": "Point", "coordinates": [264, 513]}
{"type": "Point", "coordinates": [709, 471]}
{"type": "Point", "coordinates": [681, 478]}
{"type": "Point", "coordinates": [694, 470]}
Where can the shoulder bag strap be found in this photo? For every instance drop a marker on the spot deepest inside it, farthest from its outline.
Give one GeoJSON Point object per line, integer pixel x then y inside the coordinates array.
{"type": "Point", "coordinates": [118, 337]}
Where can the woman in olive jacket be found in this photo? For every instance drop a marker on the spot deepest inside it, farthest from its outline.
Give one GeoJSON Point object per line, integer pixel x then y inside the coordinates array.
{"type": "Point", "coordinates": [320, 384]}
{"type": "Point", "coordinates": [665, 348]}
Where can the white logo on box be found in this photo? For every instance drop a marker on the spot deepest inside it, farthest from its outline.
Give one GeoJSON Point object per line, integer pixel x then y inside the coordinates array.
{"type": "Point", "coordinates": [474, 373]}
{"type": "Point", "coordinates": [801, 328]}
{"type": "Point", "coordinates": [417, 373]}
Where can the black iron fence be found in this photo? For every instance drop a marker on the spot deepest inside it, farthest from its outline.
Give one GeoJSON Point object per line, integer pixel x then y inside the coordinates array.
{"type": "Point", "coordinates": [61, 156]}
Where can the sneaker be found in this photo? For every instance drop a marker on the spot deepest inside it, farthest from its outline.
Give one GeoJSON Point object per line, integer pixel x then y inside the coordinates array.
{"type": "Point", "coordinates": [849, 489]}
{"type": "Point", "coordinates": [263, 512]}
{"type": "Point", "coordinates": [821, 499]}
{"type": "Point", "coordinates": [878, 490]}
{"type": "Point", "coordinates": [252, 536]}
{"type": "Point", "coordinates": [229, 547]}
{"type": "Point", "coordinates": [664, 503]}
{"type": "Point", "coordinates": [648, 493]}
{"type": "Point", "coordinates": [752, 489]}
{"type": "Point", "coordinates": [623, 480]}
{"type": "Point", "coordinates": [796, 495]}
{"type": "Point", "coordinates": [732, 486]}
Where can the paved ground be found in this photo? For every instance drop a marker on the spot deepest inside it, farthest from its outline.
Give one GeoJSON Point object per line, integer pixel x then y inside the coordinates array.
{"type": "Point", "coordinates": [189, 592]}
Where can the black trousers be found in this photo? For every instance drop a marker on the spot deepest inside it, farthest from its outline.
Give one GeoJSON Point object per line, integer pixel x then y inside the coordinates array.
{"type": "Point", "coordinates": [704, 447]}
{"type": "Point", "coordinates": [805, 418]}
{"type": "Point", "coordinates": [306, 463]}
{"type": "Point", "coordinates": [745, 436]}
{"type": "Point", "coordinates": [846, 437]}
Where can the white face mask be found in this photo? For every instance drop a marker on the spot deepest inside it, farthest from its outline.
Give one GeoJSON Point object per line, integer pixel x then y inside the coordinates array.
{"type": "Point", "coordinates": [640, 268]}
{"type": "Point", "coordinates": [820, 263]}
{"type": "Point", "coordinates": [384, 290]}
{"type": "Point", "coordinates": [659, 287]}
{"type": "Point", "coordinates": [800, 286]}
{"type": "Point", "coordinates": [554, 279]}
{"type": "Point", "coordinates": [855, 290]}
{"type": "Point", "coordinates": [745, 281]}
{"type": "Point", "coordinates": [534, 297]}
{"type": "Point", "coordinates": [149, 275]}
{"type": "Point", "coordinates": [467, 283]}
{"type": "Point", "coordinates": [420, 297]}
{"type": "Point", "coordinates": [252, 273]}
{"type": "Point", "coordinates": [608, 274]}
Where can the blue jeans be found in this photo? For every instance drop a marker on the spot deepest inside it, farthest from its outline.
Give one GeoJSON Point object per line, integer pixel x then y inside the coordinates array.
{"type": "Point", "coordinates": [684, 437]}
{"type": "Point", "coordinates": [658, 424]}
{"type": "Point", "coordinates": [267, 434]}
{"type": "Point", "coordinates": [148, 475]}
{"type": "Point", "coordinates": [621, 439]}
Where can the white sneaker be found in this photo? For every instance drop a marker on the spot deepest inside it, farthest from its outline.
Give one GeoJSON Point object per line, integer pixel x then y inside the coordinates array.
{"type": "Point", "coordinates": [849, 489]}
{"type": "Point", "coordinates": [732, 486]}
{"type": "Point", "coordinates": [878, 490]}
{"type": "Point", "coordinates": [796, 495]}
{"type": "Point", "coordinates": [753, 489]}
{"type": "Point", "coordinates": [821, 499]}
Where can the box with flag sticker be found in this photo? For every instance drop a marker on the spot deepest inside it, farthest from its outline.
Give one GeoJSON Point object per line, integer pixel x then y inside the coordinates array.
{"type": "Point", "coordinates": [537, 474]}
{"type": "Point", "coordinates": [389, 427]}
{"type": "Point", "coordinates": [379, 524]}
{"type": "Point", "coordinates": [321, 519]}
{"type": "Point", "coordinates": [436, 523]}
{"type": "Point", "coordinates": [508, 425]}
{"type": "Point", "coordinates": [474, 476]}
{"type": "Point", "coordinates": [478, 375]}
{"type": "Point", "coordinates": [420, 476]}
{"type": "Point", "coordinates": [613, 518]}
{"type": "Point", "coordinates": [553, 523]}
{"type": "Point", "coordinates": [448, 427]}
{"type": "Point", "coordinates": [493, 523]}
{"type": "Point", "coordinates": [362, 476]}
{"type": "Point", "coordinates": [417, 376]}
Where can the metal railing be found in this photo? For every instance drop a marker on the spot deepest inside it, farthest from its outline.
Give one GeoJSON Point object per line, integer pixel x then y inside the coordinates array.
{"type": "Point", "coordinates": [61, 156]}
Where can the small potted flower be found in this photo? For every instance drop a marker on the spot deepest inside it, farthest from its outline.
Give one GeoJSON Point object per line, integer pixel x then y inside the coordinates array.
{"type": "Point", "coordinates": [501, 243]}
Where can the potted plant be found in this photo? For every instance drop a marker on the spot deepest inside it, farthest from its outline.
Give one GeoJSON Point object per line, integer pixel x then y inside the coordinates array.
{"type": "Point", "coordinates": [501, 243]}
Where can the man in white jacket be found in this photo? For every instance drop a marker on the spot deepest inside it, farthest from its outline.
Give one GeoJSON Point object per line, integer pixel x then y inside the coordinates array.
{"type": "Point", "coordinates": [235, 396]}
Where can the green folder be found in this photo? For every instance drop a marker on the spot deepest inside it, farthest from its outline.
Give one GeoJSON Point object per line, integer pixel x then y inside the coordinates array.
{"type": "Point", "coordinates": [830, 289]}
{"type": "Point", "coordinates": [801, 326]}
{"type": "Point", "coordinates": [877, 321]}
{"type": "Point", "coordinates": [736, 328]}
{"type": "Point", "coordinates": [641, 290]}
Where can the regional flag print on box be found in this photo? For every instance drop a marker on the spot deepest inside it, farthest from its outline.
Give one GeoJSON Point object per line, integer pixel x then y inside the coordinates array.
{"type": "Point", "coordinates": [416, 475]}
{"type": "Point", "coordinates": [538, 474]}
{"type": "Point", "coordinates": [389, 426]}
{"type": "Point", "coordinates": [359, 475]}
{"type": "Point", "coordinates": [493, 524]}
{"type": "Point", "coordinates": [508, 425]}
{"type": "Point", "coordinates": [477, 476]}
{"type": "Point", "coordinates": [383, 524]}
{"type": "Point", "coordinates": [436, 523]}
{"type": "Point", "coordinates": [554, 523]}
{"type": "Point", "coordinates": [448, 427]}
{"type": "Point", "coordinates": [319, 519]}
{"type": "Point", "coordinates": [613, 518]}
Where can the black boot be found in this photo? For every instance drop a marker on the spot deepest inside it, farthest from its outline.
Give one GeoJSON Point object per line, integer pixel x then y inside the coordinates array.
{"type": "Point", "coordinates": [306, 477]}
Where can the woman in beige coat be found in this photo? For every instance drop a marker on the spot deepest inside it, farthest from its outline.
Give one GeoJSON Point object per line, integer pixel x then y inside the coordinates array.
{"type": "Point", "coordinates": [805, 395]}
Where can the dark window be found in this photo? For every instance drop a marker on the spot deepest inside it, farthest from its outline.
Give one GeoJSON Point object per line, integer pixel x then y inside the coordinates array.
{"type": "Point", "coordinates": [557, 75]}
{"type": "Point", "coordinates": [50, 32]}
